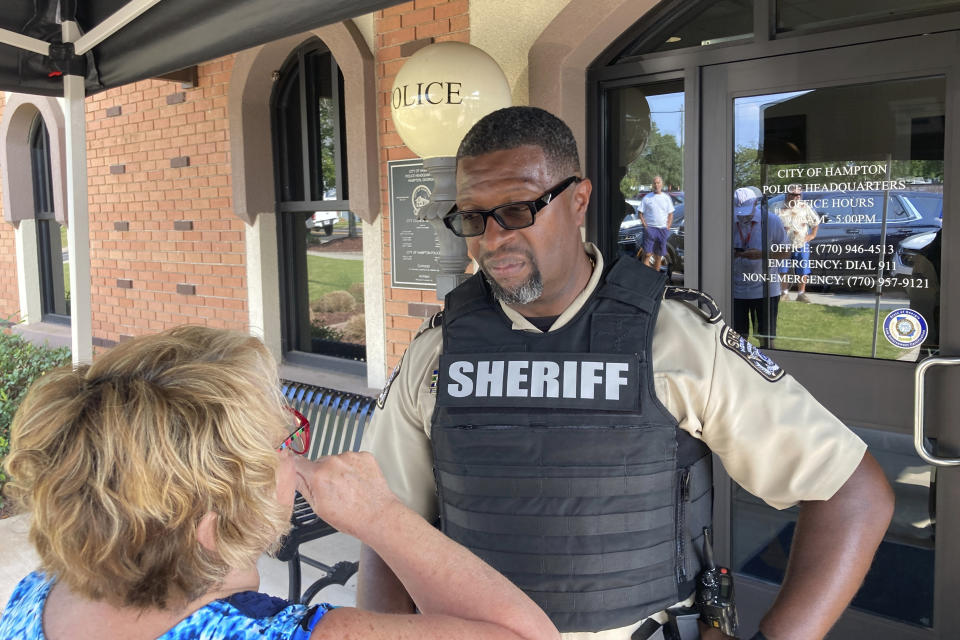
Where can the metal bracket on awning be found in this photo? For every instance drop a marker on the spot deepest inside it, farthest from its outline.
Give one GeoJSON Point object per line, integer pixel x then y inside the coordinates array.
{"type": "Point", "coordinates": [64, 61]}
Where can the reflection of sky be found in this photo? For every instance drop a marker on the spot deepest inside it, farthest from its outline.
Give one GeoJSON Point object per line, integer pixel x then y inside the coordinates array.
{"type": "Point", "coordinates": [747, 116]}
{"type": "Point", "coordinates": [666, 111]}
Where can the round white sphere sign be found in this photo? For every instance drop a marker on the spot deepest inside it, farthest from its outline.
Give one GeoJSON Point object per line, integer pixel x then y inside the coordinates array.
{"type": "Point", "coordinates": [442, 91]}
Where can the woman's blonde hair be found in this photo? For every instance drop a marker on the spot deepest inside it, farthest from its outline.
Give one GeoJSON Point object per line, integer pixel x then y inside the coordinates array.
{"type": "Point", "coordinates": [118, 462]}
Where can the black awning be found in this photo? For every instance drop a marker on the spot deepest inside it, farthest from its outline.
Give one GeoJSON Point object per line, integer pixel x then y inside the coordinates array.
{"type": "Point", "coordinates": [171, 35]}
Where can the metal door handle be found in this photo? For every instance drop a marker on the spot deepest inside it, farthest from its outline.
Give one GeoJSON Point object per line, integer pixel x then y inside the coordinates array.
{"type": "Point", "coordinates": [854, 231]}
{"type": "Point", "coordinates": [919, 441]}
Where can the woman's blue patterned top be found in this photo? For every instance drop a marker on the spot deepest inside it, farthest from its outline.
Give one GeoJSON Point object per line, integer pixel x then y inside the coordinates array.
{"type": "Point", "coordinates": [242, 616]}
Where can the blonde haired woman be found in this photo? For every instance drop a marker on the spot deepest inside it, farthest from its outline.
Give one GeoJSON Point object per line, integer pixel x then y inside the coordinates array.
{"type": "Point", "coordinates": [157, 476]}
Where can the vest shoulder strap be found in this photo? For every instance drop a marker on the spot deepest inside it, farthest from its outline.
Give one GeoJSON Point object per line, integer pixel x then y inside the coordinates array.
{"type": "Point", "coordinates": [465, 298]}
{"type": "Point", "coordinates": [699, 300]}
{"type": "Point", "coordinates": [629, 281]}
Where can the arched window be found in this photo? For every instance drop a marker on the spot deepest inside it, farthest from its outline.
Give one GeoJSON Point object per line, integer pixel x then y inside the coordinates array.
{"type": "Point", "coordinates": [52, 253]}
{"type": "Point", "coordinates": [320, 287]}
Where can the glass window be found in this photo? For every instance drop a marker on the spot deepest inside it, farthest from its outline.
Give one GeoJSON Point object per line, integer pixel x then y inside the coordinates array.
{"type": "Point", "coordinates": [827, 14]}
{"type": "Point", "coordinates": [52, 252]}
{"type": "Point", "coordinates": [321, 266]}
{"type": "Point", "coordinates": [288, 135]}
{"type": "Point", "coordinates": [646, 172]}
{"type": "Point", "coordinates": [762, 536]}
{"type": "Point", "coordinates": [694, 24]}
{"type": "Point", "coordinates": [837, 218]}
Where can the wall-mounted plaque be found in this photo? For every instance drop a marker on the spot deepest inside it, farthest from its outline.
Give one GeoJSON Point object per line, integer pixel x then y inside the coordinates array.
{"type": "Point", "coordinates": [414, 247]}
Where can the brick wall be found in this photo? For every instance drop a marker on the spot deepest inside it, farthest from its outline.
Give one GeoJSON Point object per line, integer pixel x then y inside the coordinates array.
{"type": "Point", "coordinates": [441, 20]}
{"type": "Point", "coordinates": [9, 294]}
{"type": "Point", "coordinates": [165, 246]}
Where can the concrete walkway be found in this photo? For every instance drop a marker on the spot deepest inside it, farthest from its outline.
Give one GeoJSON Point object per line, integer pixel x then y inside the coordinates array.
{"type": "Point", "coordinates": [17, 559]}
{"type": "Point", "coordinates": [337, 255]}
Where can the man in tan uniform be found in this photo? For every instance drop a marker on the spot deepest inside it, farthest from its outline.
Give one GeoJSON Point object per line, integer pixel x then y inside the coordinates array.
{"type": "Point", "coordinates": [773, 438]}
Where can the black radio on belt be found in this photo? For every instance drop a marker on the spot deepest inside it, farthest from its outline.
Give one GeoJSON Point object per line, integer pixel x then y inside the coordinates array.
{"type": "Point", "coordinates": [715, 598]}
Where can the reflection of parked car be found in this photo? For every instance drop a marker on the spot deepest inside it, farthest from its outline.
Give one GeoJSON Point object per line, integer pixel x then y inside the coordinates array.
{"type": "Point", "coordinates": [323, 220]}
{"type": "Point", "coordinates": [908, 250]}
{"type": "Point", "coordinates": [924, 282]}
{"type": "Point", "coordinates": [630, 228]}
{"type": "Point", "coordinates": [848, 241]}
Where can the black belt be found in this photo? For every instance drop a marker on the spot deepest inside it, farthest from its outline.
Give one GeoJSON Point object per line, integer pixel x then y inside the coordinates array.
{"type": "Point", "coordinates": [682, 625]}
{"type": "Point", "coordinates": [649, 630]}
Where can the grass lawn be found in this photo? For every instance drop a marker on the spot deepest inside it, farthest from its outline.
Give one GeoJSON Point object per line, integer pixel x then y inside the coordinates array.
{"type": "Point", "coordinates": [820, 328]}
{"type": "Point", "coordinates": [331, 274]}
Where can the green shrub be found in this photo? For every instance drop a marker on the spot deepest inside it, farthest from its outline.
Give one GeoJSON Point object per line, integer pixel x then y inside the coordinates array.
{"type": "Point", "coordinates": [356, 290]}
{"type": "Point", "coordinates": [333, 302]}
{"type": "Point", "coordinates": [318, 329]}
{"type": "Point", "coordinates": [355, 329]}
{"type": "Point", "coordinates": [21, 362]}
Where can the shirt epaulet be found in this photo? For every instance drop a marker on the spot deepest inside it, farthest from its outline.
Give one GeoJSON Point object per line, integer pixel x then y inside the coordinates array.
{"type": "Point", "coordinates": [697, 299]}
{"type": "Point", "coordinates": [435, 321]}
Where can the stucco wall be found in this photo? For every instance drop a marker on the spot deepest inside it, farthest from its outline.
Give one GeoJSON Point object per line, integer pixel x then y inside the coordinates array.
{"type": "Point", "coordinates": [506, 29]}
{"type": "Point", "coordinates": [366, 24]}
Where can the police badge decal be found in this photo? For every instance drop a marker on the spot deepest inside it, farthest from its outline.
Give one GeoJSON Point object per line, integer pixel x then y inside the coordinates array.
{"type": "Point", "coordinates": [757, 359]}
{"type": "Point", "coordinates": [905, 328]}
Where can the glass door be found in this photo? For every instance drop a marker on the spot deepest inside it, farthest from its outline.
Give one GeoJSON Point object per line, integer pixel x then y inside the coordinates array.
{"type": "Point", "coordinates": [832, 173]}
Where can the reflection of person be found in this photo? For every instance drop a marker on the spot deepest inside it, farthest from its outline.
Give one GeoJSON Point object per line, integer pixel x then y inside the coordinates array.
{"type": "Point", "coordinates": [925, 294]}
{"type": "Point", "coordinates": [556, 416]}
{"type": "Point", "coordinates": [154, 481]}
{"type": "Point", "coordinates": [749, 275]}
{"type": "Point", "coordinates": [656, 214]}
{"type": "Point", "coordinates": [801, 223]}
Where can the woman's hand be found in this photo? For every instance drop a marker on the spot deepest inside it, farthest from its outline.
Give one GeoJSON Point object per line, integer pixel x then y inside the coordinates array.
{"type": "Point", "coordinates": [444, 579]}
{"type": "Point", "coordinates": [348, 490]}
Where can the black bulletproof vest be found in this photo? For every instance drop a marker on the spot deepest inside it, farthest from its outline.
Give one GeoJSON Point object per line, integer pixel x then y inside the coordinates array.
{"type": "Point", "coordinates": [556, 463]}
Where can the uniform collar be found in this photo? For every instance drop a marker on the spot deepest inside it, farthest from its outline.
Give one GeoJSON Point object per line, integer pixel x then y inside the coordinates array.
{"type": "Point", "coordinates": [522, 324]}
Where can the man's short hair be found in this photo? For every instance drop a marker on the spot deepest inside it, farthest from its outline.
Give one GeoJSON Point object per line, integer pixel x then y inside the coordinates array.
{"type": "Point", "coordinates": [514, 127]}
{"type": "Point", "coordinates": [119, 461]}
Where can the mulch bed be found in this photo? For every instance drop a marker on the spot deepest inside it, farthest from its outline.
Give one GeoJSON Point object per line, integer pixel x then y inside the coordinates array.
{"type": "Point", "coordinates": [336, 317]}
{"type": "Point", "coordinates": [6, 511]}
{"type": "Point", "coordinates": [340, 245]}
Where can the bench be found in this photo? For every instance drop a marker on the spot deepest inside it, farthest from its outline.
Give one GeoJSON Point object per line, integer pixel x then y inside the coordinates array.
{"type": "Point", "coordinates": [337, 420]}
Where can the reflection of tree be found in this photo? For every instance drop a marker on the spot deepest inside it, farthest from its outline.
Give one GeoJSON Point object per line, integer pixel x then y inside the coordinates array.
{"type": "Point", "coordinates": [746, 167]}
{"type": "Point", "coordinates": [325, 123]}
{"type": "Point", "coordinates": [662, 157]}
{"type": "Point", "coordinates": [930, 169]}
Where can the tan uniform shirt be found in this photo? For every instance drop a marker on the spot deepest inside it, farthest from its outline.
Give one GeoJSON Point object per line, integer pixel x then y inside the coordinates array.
{"type": "Point", "coordinates": [773, 438]}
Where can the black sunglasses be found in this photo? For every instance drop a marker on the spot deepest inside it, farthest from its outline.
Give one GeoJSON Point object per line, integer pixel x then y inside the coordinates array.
{"type": "Point", "coordinates": [510, 216]}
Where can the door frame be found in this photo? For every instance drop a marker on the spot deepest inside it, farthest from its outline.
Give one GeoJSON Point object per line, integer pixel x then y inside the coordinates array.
{"type": "Point", "coordinates": [867, 404]}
